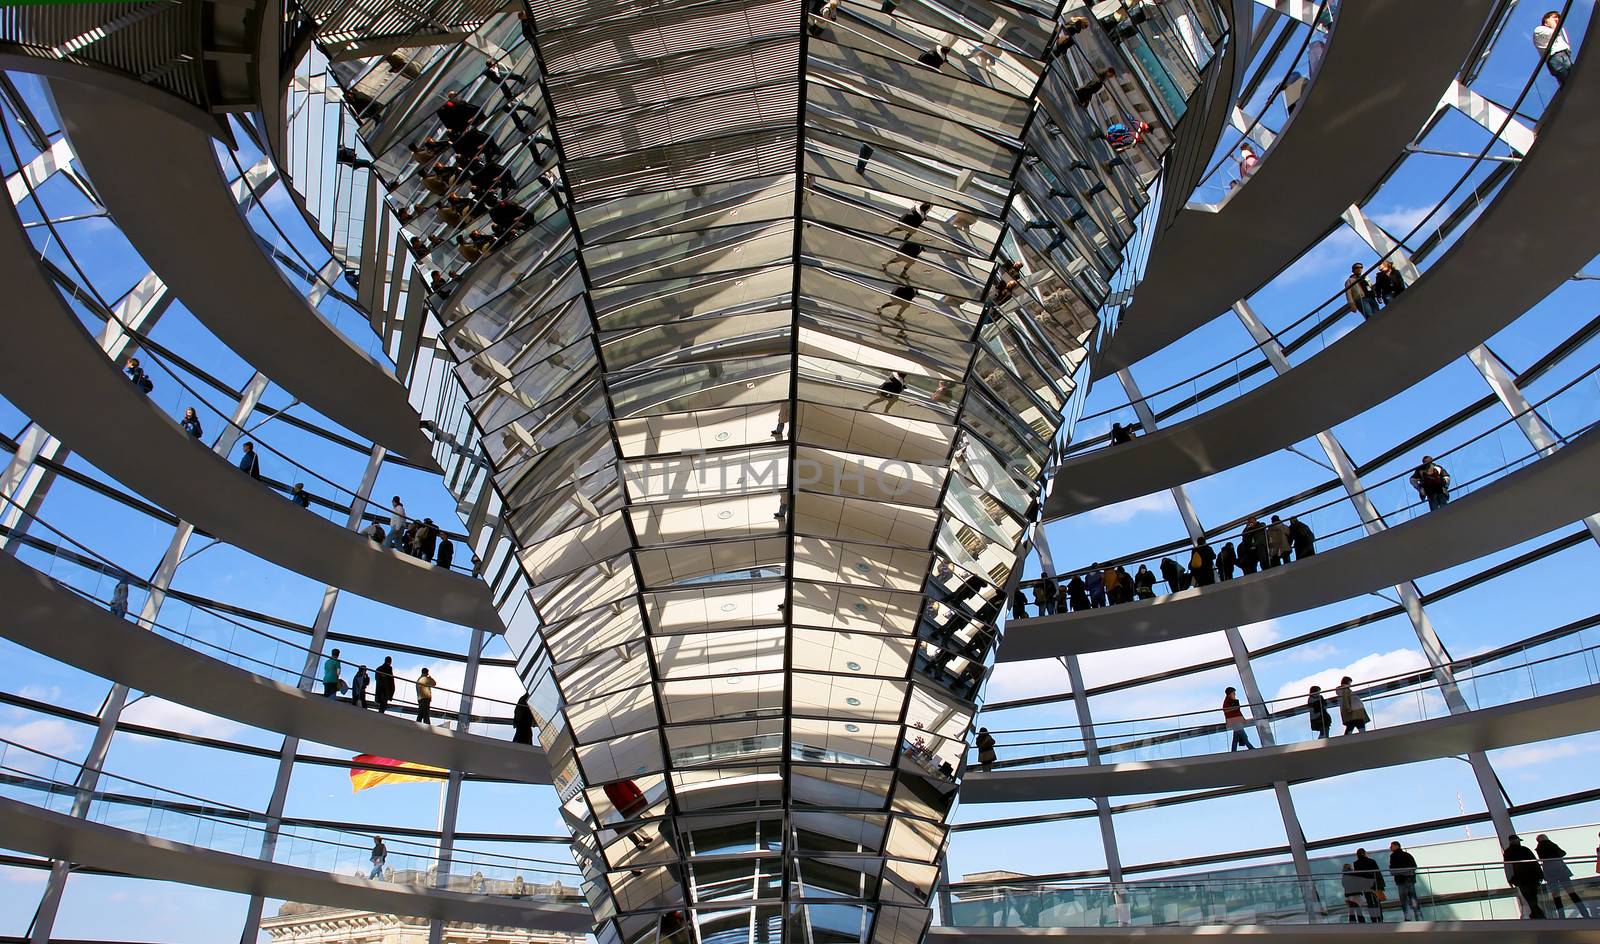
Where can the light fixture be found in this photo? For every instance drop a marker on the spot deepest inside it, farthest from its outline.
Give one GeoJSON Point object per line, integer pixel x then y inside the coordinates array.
{"type": "Point", "coordinates": [863, 568]}
{"type": "Point", "coordinates": [729, 607]}
{"type": "Point", "coordinates": [859, 607]}
{"type": "Point", "coordinates": [852, 728]}
{"type": "Point", "coordinates": [852, 702]}
{"type": "Point", "coordinates": [853, 666]}
{"type": "Point", "coordinates": [724, 515]}
{"type": "Point", "coordinates": [722, 436]}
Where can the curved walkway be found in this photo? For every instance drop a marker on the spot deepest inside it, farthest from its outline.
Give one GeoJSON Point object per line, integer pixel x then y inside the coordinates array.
{"type": "Point", "coordinates": [1376, 89]}
{"type": "Point", "coordinates": [62, 379]}
{"type": "Point", "coordinates": [173, 203]}
{"type": "Point", "coordinates": [1191, 153]}
{"type": "Point", "coordinates": [1457, 932]}
{"type": "Point", "coordinates": [1520, 506]}
{"type": "Point", "coordinates": [1484, 729]}
{"type": "Point", "coordinates": [41, 832]}
{"type": "Point", "coordinates": [54, 622]}
{"type": "Point", "coordinates": [1525, 245]}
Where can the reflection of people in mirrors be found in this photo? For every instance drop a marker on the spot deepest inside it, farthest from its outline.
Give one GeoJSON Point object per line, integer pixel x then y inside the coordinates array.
{"type": "Point", "coordinates": [906, 255]}
{"type": "Point", "coordinates": [911, 221]}
{"type": "Point", "coordinates": [900, 300]}
{"type": "Point", "coordinates": [888, 391]}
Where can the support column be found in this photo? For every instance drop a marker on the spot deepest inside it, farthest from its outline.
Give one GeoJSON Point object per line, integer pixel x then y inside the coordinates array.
{"type": "Point", "coordinates": [450, 805]}
{"type": "Point", "coordinates": [1241, 662]}
{"type": "Point", "coordinates": [1410, 597]}
{"type": "Point", "coordinates": [1091, 746]}
{"type": "Point", "coordinates": [308, 674]}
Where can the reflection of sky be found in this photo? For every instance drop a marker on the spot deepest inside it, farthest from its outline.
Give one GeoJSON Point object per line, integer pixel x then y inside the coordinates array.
{"type": "Point", "coordinates": [1508, 607]}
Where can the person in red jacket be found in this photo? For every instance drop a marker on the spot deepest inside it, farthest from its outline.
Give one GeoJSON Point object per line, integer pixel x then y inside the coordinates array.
{"type": "Point", "coordinates": [629, 800]}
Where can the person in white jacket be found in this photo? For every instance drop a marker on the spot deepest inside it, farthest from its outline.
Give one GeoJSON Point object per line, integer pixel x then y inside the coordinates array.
{"type": "Point", "coordinates": [1549, 35]}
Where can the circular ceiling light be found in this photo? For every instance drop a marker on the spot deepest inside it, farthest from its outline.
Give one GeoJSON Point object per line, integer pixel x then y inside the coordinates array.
{"type": "Point", "coordinates": [729, 607]}
{"type": "Point", "coordinates": [853, 666]}
{"type": "Point", "coordinates": [852, 702]}
{"type": "Point", "coordinates": [852, 728]}
{"type": "Point", "coordinates": [722, 436]}
{"type": "Point", "coordinates": [724, 515]}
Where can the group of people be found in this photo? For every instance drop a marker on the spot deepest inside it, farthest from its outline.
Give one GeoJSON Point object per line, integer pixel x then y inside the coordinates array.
{"type": "Point", "coordinates": [1366, 296]}
{"type": "Point", "coordinates": [381, 684]}
{"type": "Point", "coordinates": [1261, 545]}
{"type": "Point", "coordinates": [1527, 870]}
{"type": "Point", "coordinates": [465, 180]}
{"type": "Point", "coordinates": [421, 539]}
{"type": "Point", "coordinates": [1353, 713]}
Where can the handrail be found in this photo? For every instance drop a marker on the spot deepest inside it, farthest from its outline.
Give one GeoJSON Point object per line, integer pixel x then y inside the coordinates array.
{"type": "Point", "coordinates": [111, 568]}
{"type": "Point", "coordinates": [1443, 202]}
{"type": "Point", "coordinates": [1368, 489]}
{"type": "Point", "coordinates": [22, 776]}
{"type": "Point", "coordinates": [1398, 685]}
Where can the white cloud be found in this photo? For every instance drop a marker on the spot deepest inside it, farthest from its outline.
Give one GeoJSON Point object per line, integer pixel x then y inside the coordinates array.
{"type": "Point", "coordinates": [1123, 512]}
{"type": "Point", "coordinates": [1402, 220]}
{"type": "Point", "coordinates": [159, 713]}
{"type": "Point", "coordinates": [1369, 667]}
{"type": "Point", "coordinates": [50, 735]}
{"type": "Point", "coordinates": [1531, 755]}
{"type": "Point", "coordinates": [49, 695]}
{"type": "Point", "coordinates": [1026, 679]}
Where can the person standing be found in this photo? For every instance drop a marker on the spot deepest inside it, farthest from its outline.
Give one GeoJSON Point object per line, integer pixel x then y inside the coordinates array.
{"type": "Point", "coordinates": [985, 745]}
{"type": "Point", "coordinates": [522, 722]}
{"type": "Point", "coordinates": [380, 856]}
{"type": "Point", "coordinates": [248, 463]}
{"type": "Point", "coordinates": [383, 691]}
{"type": "Point", "coordinates": [1095, 581]}
{"type": "Point", "coordinates": [1356, 888]}
{"type": "Point", "coordinates": [1277, 542]}
{"type": "Point", "coordinates": [1317, 711]}
{"type": "Point", "coordinates": [1388, 283]}
{"type": "Point", "coordinates": [1351, 711]}
{"type": "Point", "coordinates": [1358, 292]}
{"type": "Point", "coordinates": [447, 553]}
{"type": "Point", "coordinates": [1553, 860]}
{"type": "Point", "coordinates": [298, 495]}
{"type": "Point", "coordinates": [1432, 483]}
{"type": "Point", "coordinates": [119, 598]}
{"type": "Point", "coordinates": [1172, 574]}
{"type": "Point", "coordinates": [1403, 869]}
{"type": "Point", "coordinates": [136, 376]}
{"type": "Point", "coordinates": [427, 539]}
{"type": "Point", "coordinates": [1367, 867]}
{"type": "Point", "coordinates": [1120, 434]}
{"type": "Point", "coordinates": [397, 521]}
{"type": "Point", "coordinates": [1248, 161]}
{"type": "Point", "coordinates": [1549, 35]}
{"type": "Point", "coordinates": [358, 687]}
{"type": "Point", "coordinates": [1227, 560]}
{"type": "Point", "coordinates": [1019, 605]}
{"type": "Point", "coordinates": [331, 668]}
{"type": "Point", "coordinates": [191, 423]}
{"type": "Point", "coordinates": [1078, 594]}
{"type": "Point", "coordinates": [1044, 596]}
{"type": "Point", "coordinates": [1202, 563]}
{"type": "Point", "coordinates": [425, 684]}
{"type": "Point", "coordinates": [1234, 719]}
{"type": "Point", "coordinates": [1252, 545]}
{"type": "Point", "coordinates": [1144, 582]}
{"type": "Point", "coordinates": [1303, 538]}
{"type": "Point", "coordinates": [1524, 874]}
{"type": "Point", "coordinates": [1112, 581]}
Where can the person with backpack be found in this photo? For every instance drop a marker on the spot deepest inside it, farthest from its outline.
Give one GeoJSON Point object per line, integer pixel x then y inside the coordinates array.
{"type": "Point", "coordinates": [1202, 563]}
{"type": "Point", "coordinates": [1432, 483]}
{"type": "Point", "coordinates": [1144, 583]}
{"type": "Point", "coordinates": [1317, 712]}
{"type": "Point", "coordinates": [136, 376]}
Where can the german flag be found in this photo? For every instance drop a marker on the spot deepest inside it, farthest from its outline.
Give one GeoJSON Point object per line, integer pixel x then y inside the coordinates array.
{"type": "Point", "coordinates": [395, 771]}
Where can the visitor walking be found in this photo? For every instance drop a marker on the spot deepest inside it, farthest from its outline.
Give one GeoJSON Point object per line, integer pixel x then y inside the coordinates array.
{"type": "Point", "coordinates": [1095, 582]}
{"type": "Point", "coordinates": [1317, 711]}
{"type": "Point", "coordinates": [425, 684]}
{"type": "Point", "coordinates": [298, 495]}
{"type": "Point", "coordinates": [1387, 283]}
{"type": "Point", "coordinates": [1202, 563]}
{"type": "Point", "coordinates": [119, 598]}
{"type": "Point", "coordinates": [379, 857]}
{"type": "Point", "coordinates": [1524, 874]}
{"type": "Point", "coordinates": [1558, 875]}
{"type": "Point", "coordinates": [1277, 542]}
{"type": "Point", "coordinates": [1234, 719]}
{"type": "Point", "coordinates": [1351, 711]}
{"type": "Point", "coordinates": [1227, 560]}
{"type": "Point", "coordinates": [383, 690]}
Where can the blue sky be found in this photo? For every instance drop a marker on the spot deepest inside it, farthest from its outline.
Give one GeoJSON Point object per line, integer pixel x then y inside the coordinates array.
{"type": "Point", "coordinates": [1510, 607]}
